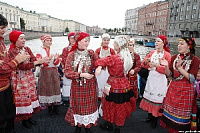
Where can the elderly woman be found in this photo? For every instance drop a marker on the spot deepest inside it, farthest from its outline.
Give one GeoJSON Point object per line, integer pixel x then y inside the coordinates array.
{"type": "Point", "coordinates": [79, 67]}
{"type": "Point", "coordinates": [178, 104]}
{"type": "Point", "coordinates": [156, 86]}
{"type": "Point", "coordinates": [23, 81]}
{"type": "Point", "coordinates": [49, 88]}
{"type": "Point", "coordinates": [103, 52]}
{"type": "Point", "coordinates": [119, 100]}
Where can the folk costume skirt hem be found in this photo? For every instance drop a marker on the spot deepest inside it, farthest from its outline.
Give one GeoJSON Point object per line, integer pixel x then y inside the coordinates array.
{"type": "Point", "coordinates": [118, 106]}
{"type": "Point", "coordinates": [151, 107]}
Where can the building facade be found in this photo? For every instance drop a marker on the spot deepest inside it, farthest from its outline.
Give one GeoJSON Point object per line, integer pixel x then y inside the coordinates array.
{"type": "Point", "coordinates": [184, 18]}
{"type": "Point", "coordinates": [37, 21]}
{"type": "Point", "coordinates": [131, 20]}
{"type": "Point", "coordinates": [153, 19]}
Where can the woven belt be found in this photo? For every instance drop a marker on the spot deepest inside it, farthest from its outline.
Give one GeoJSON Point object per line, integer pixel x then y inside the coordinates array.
{"type": "Point", "coordinates": [119, 90]}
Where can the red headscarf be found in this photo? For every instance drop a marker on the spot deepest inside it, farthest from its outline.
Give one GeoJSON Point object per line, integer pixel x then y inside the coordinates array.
{"type": "Point", "coordinates": [71, 34]}
{"type": "Point", "coordinates": [165, 41]}
{"type": "Point", "coordinates": [13, 37]}
{"type": "Point", "coordinates": [78, 37]}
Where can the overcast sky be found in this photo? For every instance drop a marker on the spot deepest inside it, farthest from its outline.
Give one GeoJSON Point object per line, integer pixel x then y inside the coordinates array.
{"type": "Point", "coordinates": [104, 13]}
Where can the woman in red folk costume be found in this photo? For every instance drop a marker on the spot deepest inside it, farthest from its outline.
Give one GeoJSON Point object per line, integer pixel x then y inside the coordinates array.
{"type": "Point", "coordinates": [119, 101]}
{"type": "Point", "coordinates": [156, 86]}
{"type": "Point", "coordinates": [179, 105]}
{"type": "Point", "coordinates": [24, 83]}
{"type": "Point", "coordinates": [67, 82]}
{"type": "Point", "coordinates": [49, 82]}
{"type": "Point", "coordinates": [79, 67]}
{"type": "Point", "coordinates": [132, 75]}
{"type": "Point", "coordinates": [103, 52]}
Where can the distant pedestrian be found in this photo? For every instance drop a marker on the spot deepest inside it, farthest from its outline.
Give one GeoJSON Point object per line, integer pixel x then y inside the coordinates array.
{"type": "Point", "coordinates": [179, 106]}
{"type": "Point", "coordinates": [156, 86]}
{"type": "Point", "coordinates": [49, 81]}
{"type": "Point", "coordinates": [118, 102]}
{"type": "Point", "coordinates": [23, 80]}
{"type": "Point", "coordinates": [132, 75]}
{"type": "Point", "coordinates": [67, 82]}
{"type": "Point", "coordinates": [79, 67]}
{"type": "Point", "coordinates": [103, 52]}
{"type": "Point", "coordinates": [7, 65]}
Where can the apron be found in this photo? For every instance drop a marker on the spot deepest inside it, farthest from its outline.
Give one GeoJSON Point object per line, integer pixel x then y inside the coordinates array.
{"type": "Point", "coordinates": [156, 86]}
{"type": "Point", "coordinates": [66, 87]}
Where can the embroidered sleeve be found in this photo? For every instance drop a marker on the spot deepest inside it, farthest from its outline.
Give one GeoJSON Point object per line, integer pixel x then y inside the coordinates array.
{"type": "Point", "coordinates": [148, 56]}
{"type": "Point", "coordinates": [69, 72]}
{"type": "Point", "coordinates": [64, 56]}
{"type": "Point", "coordinates": [137, 63]}
{"type": "Point", "coordinates": [107, 61]}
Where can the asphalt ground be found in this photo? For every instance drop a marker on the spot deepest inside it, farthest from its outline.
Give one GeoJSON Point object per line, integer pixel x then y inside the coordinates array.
{"type": "Point", "coordinates": [57, 124]}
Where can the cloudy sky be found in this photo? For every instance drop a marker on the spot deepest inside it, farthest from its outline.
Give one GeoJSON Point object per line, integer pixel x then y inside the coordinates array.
{"type": "Point", "coordinates": [104, 13]}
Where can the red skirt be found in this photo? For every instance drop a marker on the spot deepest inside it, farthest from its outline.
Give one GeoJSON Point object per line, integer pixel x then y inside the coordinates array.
{"type": "Point", "coordinates": [118, 112]}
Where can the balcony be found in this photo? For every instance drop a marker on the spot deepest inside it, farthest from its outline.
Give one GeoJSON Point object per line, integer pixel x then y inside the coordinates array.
{"type": "Point", "coordinates": [177, 5]}
{"type": "Point", "coordinates": [176, 13]}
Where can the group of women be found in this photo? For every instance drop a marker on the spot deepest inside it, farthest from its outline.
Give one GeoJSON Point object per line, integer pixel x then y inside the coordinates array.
{"type": "Point", "coordinates": [113, 72]}
{"type": "Point", "coordinates": [169, 91]}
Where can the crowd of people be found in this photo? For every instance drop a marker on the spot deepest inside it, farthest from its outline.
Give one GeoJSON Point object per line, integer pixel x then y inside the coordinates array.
{"type": "Point", "coordinates": [106, 75]}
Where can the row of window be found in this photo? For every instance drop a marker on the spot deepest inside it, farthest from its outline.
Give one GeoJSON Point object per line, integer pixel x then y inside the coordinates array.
{"type": "Point", "coordinates": [187, 17]}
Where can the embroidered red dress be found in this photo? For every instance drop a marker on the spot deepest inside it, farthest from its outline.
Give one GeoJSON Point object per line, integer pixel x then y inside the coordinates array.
{"type": "Point", "coordinates": [177, 106]}
{"type": "Point", "coordinates": [120, 102]}
{"type": "Point", "coordinates": [24, 86]}
{"type": "Point", "coordinates": [83, 109]}
{"type": "Point", "coordinates": [133, 78]}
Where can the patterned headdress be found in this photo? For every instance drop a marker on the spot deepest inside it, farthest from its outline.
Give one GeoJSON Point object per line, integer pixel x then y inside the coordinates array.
{"type": "Point", "coordinates": [189, 40]}
{"type": "Point", "coordinates": [78, 37]}
{"type": "Point", "coordinates": [44, 37]}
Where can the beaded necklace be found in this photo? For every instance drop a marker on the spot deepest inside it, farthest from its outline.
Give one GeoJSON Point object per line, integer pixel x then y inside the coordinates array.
{"type": "Point", "coordinates": [186, 62]}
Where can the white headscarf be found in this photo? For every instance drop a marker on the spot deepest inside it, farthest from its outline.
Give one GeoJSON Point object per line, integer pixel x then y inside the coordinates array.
{"type": "Point", "coordinates": [122, 42]}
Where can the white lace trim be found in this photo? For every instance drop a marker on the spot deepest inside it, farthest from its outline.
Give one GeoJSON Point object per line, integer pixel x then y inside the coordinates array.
{"type": "Point", "coordinates": [86, 119]}
{"type": "Point", "coordinates": [50, 99]}
{"type": "Point", "coordinates": [27, 109]}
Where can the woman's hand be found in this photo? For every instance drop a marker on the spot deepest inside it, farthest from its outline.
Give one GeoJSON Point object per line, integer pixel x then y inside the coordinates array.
{"type": "Point", "coordinates": [179, 63]}
{"type": "Point", "coordinates": [51, 56]}
{"type": "Point", "coordinates": [132, 71]}
{"type": "Point", "coordinates": [147, 60]}
{"type": "Point", "coordinates": [1, 62]}
{"type": "Point", "coordinates": [106, 91]}
{"type": "Point", "coordinates": [22, 57]}
{"type": "Point", "coordinates": [98, 70]}
{"type": "Point", "coordinates": [56, 56]}
{"type": "Point", "coordinates": [86, 75]}
{"type": "Point", "coordinates": [153, 64]}
{"type": "Point", "coordinates": [164, 62]}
